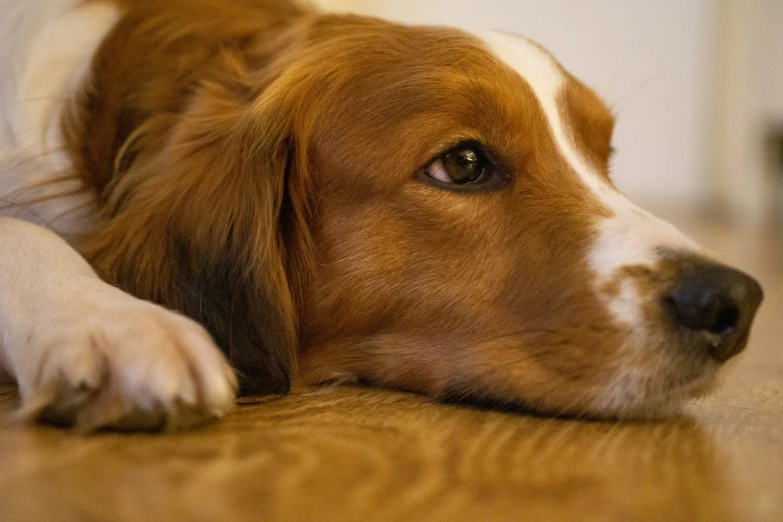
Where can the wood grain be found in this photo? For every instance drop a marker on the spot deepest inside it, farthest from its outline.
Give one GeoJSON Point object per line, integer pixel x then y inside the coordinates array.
{"type": "Point", "coordinates": [347, 453]}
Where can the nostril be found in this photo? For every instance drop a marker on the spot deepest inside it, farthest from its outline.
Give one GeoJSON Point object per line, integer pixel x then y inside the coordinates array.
{"type": "Point", "coordinates": [726, 321]}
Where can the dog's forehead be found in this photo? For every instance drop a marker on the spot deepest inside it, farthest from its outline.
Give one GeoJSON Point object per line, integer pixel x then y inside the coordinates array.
{"type": "Point", "coordinates": [548, 81]}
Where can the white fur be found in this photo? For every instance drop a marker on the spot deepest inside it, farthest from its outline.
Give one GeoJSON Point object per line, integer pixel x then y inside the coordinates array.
{"type": "Point", "coordinates": [48, 49]}
{"type": "Point", "coordinates": [48, 46]}
{"type": "Point", "coordinates": [630, 236]}
{"type": "Point", "coordinates": [79, 349]}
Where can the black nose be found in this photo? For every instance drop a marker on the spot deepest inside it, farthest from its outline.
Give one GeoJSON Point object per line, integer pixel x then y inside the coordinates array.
{"type": "Point", "coordinates": [718, 301]}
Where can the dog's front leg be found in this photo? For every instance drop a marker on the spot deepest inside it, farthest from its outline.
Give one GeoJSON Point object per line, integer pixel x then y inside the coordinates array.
{"type": "Point", "coordinates": [86, 353]}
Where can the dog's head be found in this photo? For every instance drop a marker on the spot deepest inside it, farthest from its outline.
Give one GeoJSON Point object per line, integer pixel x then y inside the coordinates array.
{"type": "Point", "coordinates": [424, 209]}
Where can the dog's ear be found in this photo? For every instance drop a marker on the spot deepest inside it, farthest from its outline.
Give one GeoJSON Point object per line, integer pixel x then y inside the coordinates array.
{"type": "Point", "coordinates": [196, 225]}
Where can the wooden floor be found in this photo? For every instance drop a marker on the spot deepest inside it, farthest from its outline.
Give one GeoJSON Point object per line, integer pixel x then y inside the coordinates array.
{"type": "Point", "coordinates": [347, 454]}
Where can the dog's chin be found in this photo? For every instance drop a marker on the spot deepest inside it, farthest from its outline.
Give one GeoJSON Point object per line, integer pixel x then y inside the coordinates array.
{"type": "Point", "coordinates": [642, 389]}
{"type": "Point", "coordinates": [655, 402]}
{"type": "Point", "coordinates": [635, 397]}
{"type": "Point", "coordinates": [657, 399]}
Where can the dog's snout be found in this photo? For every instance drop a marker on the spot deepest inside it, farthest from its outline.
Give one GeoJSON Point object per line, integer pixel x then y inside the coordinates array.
{"type": "Point", "coordinates": [718, 301]}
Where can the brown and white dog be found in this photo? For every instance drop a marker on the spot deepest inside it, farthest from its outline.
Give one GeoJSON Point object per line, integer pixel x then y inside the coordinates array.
{"type": "Point", "coordinates": [331, 197]}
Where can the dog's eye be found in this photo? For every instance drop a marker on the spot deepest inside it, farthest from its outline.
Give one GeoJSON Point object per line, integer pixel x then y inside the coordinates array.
{"type": "Point", "coordinates": [460, 166]}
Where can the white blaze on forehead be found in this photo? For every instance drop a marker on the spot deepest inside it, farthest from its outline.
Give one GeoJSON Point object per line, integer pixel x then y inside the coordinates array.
{"type": "Point", "coordinates": [630, 236]}
{"type": "Point", "coordinates": [547, 80]}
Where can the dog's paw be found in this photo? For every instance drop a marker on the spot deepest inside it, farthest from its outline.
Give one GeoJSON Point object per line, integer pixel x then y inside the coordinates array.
{"type": "Point", "coordinates": [119, 362]}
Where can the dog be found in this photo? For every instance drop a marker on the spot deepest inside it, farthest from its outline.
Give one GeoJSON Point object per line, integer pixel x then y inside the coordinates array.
{"type": "Point", "coordinates": [229, 196]}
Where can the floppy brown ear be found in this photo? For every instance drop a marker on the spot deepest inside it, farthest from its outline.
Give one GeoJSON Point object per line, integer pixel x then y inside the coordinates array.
{"type": "Point", "coordinates": [196, 226]}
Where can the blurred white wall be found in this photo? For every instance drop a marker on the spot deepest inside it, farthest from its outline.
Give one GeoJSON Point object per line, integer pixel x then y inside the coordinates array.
{"type": "Point", "coordinates": [650, 60]}
{"type": "Point", "coordinates": [772, 14]}
{"type": "Point", "coordinates": [749, 104]}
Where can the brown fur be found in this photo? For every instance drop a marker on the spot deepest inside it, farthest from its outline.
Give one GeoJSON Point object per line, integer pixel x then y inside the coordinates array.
{"type": "Point", "coordinates": [258, 167]}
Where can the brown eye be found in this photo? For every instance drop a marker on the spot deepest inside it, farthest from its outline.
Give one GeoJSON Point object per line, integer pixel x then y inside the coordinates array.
{"type": "Point", "coordinates": [460, 166]}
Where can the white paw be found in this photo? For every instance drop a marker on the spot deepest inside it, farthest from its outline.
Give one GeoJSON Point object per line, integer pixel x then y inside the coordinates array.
{"type": "Point", "coordinates": [116, 361]}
